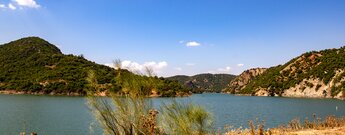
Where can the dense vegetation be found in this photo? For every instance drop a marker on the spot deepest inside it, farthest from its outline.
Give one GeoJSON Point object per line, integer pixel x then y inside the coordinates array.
{"type": "Point", "coordinates": [322, 65]}
{"type": "Point", "coordinates": [204, 82]}
{"type": "Point", "coordinates": [33, 65]}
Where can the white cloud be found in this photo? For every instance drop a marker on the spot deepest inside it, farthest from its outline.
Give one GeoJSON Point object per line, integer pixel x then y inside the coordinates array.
{"type": "Point", "coordinates": [27, 3]}
{"type": "Point", "coordinates": [2, 6]}
{"type": "Point", "coordinates": [193, 44]}
{"type": "Point", "coordinates": [11, 6]}
{"type": "Point", "coordinates": [20, 4]}
{"type": "Point", "coordinates": [240, 65]}
{"type": "Point", "coordinates": [155, 66]}
{"type": "Point", "coordinates": [190, 43]}
{"type": "Point", "coordinates": [224, 70]}
{"type": "Point", "coordinates": [136, 67]}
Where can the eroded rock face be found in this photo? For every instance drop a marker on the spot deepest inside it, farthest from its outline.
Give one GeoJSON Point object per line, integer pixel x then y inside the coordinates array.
{"type": "Point", "coordinates": [341, 95]}
{"type": "Point", "coordinates": [315, 88]}
{"type": "Point", "coordinates": [262, 92]}
{"type": "Point", "coordinates": [311, 88]}
{"type": "Point", "coordinates": [243, 79]}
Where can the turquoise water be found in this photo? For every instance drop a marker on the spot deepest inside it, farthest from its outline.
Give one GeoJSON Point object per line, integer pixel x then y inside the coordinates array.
{"type": "Point", "coordinates": [56, 115]}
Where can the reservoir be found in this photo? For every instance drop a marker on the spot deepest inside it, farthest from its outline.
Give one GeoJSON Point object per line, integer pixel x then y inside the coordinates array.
{"type": "Point", "coordinates": [56, 115]}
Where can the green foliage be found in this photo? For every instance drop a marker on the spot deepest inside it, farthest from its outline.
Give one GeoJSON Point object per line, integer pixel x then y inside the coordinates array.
{"type": "Point", "coordinates": [33, 64]}
{"type": "Point", "coordinates": [310, 85]}
{"type": "Point", "coordinates": [132, 114]}
{"type": "Point", "coordinates": [185, 119]}
{"type": "Point", "coordinates": [128, 115]}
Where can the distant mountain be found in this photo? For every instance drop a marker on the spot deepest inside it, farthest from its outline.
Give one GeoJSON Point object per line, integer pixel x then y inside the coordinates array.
{"type": "Point", "coordinates": [204, 82]}
{"type": "Point", "coordinates": [319, 74]}
{"type": "Point", "coordinates": [34, 66]}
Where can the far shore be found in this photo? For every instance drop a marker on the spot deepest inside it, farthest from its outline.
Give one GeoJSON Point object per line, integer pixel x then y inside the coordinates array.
{"type": "Point", "coordinates": [16, 92]}
{"type": "Point", "coordinates": [75, 94]}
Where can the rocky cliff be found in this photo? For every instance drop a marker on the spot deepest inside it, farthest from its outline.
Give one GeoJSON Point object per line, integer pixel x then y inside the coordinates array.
{"type": "Point", "coordinates": [316, 74]}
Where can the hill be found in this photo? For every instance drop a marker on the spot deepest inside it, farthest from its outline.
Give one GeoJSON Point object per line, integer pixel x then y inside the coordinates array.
{"type": "Point", "coordinates": [204, 82]}
{"type": "Point", "coordinates": [318, 74]}
{"type": "Point", "coordinates": [34, 66]}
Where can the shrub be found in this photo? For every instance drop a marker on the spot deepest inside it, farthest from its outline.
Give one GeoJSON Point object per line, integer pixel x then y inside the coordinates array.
{"type": "Point", "coordinates": [185, 119]}
{"type": "Point", "coordinates": [133, 114]}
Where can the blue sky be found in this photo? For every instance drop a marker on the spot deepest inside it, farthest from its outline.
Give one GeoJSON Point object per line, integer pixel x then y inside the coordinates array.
{"type": "Point", "coordinates": [180, 36]}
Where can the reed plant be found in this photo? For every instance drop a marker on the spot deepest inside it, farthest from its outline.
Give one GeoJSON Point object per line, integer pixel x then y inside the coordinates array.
{"type": "Point", "coordinates": [185, 119]}
{"type": "Point", "coordinates": [125, 114]}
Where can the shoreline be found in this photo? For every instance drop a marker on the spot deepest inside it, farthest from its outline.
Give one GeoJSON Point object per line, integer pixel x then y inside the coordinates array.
{"type": "Point", "coordinates": [104, 94]}
{"type": "Point", "coordinates": [296, 97]}
{"type": "Point", "coordinates": [15, 92]}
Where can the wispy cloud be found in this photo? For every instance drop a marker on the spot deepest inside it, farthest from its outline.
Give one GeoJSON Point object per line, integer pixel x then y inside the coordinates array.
{"type": "Point", "coordinates": [221, 70]}
{"type": "Point", "coordinates": [11, 6]}
{"type": "Point", "coordinates": [240, 65]}
{"type": "Point", "coordinates": [2, 6]}
{"type": "Point", "coordinates": [226, 69]}
{"type": "Point", "coordinates": [193, 44]}
{"type": "Point", "coordinates": [190, 43]}
{"type": "Point", "coordinates": [27, 3]}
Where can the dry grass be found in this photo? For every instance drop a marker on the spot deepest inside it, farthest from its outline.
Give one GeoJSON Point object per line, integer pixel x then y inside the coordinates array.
{"type": "Point", "coordinates": [257, 128]}
{"type": "Point", "coordinates": [330, 125]}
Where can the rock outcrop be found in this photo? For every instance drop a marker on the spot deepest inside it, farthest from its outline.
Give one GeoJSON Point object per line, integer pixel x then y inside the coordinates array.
{"type": "Point", "coordinates": [316, 88]}
{"type": "Point", "coordinates": [237, 84]}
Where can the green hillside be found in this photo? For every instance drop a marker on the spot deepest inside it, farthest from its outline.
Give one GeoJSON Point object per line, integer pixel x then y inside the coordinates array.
{"type": "Point", "coordinates": [204, 82]}
{"type": "Point", "coordinates": [33, 65]}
